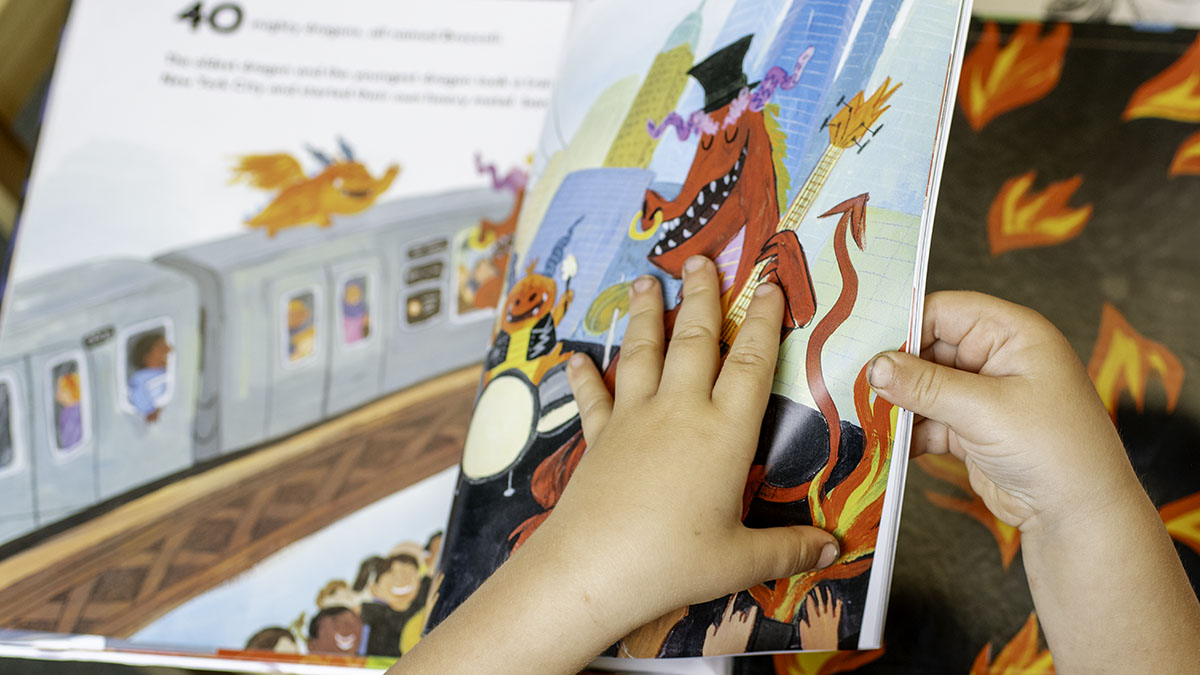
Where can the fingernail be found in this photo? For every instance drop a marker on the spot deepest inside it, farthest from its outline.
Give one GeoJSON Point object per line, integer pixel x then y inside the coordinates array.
{"type": "Point", "coordinates": [643, 283]}
{"type": "Point", "coordinates": [828, 555]}
{"type": "Point", "coordinates": [577, 360]}
{"type": "Point", "coordinates": [765, 289]}
{"type": "Point", "coordinates": [693, 263]}
{"type": "Point", "coordinates": [879, 374]}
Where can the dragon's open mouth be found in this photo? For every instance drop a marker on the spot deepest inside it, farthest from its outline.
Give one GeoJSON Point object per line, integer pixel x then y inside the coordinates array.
{"type": "Point", "coordinates": [516, 318]}
{"type": "Point", "coordinates": [708, 201]}
{"type": "Point", "coordinates": [357, 194]}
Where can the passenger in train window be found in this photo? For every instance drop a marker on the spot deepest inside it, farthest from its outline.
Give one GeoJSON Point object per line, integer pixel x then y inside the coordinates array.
{"type": "Point", "coordinates": [356, 314]}
{"type": "Point", "coordinates": [68, 409]}
{"type": "Point", "coordinates": [148, 384]}
{"type": "Point", "coordinates": [302, 332]}
{"type": "Point", "coordinates": [337, 593]}
{"type": "Point", "coordinates": [398, 592]}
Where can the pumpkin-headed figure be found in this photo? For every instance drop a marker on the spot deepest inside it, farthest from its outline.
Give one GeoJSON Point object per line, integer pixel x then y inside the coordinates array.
{"type": "Point", "coordinates": [728, 207]}
{"type": "Point", "coordinates": [527, 338]}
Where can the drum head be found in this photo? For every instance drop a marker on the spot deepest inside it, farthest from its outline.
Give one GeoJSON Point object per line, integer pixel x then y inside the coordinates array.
{"type": "Point", "coordinates": [501, 428]}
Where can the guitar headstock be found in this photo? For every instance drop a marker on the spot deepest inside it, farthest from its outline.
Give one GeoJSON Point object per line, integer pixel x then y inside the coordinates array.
{"type": "Point", "coordinates": [853, 122]}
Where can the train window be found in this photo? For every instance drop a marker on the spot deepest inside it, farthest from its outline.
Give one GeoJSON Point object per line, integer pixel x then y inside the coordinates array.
{"type": "Point", "coordinates": [425, 272]}
{"type": "Point", "coordinates": [422, 306]}
{"type": "Point", "coordinates": [428, 248]}
{"type": "Point", "coordinates": [8, 454]}
{"type": "Point", "coordinates": [68, 402]}
{"type": "Point", "coordinates": [147, 370]}
{"type": "Point", "coordinates": [12, 448]}
{"type": "Point", "coordinates": [356, 310]}
{"type": "Point", "coordinates": [299, 324]}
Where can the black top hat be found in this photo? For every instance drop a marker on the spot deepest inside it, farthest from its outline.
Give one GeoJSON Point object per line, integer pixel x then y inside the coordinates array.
{"type": "Point", "coordinates": [721, 74]}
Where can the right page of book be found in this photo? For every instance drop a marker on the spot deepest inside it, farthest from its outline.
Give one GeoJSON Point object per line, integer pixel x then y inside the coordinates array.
{"type": "Point", "coordinates": [792, 141]}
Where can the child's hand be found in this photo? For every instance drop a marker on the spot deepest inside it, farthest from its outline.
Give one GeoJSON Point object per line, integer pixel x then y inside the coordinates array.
{"type": "Point", "coordinates": [1001, 389]}
{"type": "Point", "coordinates": [653, 512]}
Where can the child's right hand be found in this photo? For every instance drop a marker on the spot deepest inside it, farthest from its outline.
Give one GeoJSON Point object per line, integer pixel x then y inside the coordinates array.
{"type": "Point", "coordinates": [1001, 389]}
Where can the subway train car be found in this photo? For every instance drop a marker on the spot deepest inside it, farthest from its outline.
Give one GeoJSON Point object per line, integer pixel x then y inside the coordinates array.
{"type": "Point", "coordinates": [315, 322]}
{"type": "Point", "coordinates": [114, 374]}
{"type": "Point", "coordinates": [98, 372]}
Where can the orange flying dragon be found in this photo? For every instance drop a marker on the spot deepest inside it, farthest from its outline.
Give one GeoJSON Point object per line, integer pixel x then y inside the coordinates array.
{"type": "Point", "coordinates": [343, 187]}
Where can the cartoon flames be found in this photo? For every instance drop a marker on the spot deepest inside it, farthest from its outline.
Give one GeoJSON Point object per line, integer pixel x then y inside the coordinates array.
{"type": "Point", "coordinates": [951, 470]}
{"type": "Point", "coordinates": [1123, 360]}
{"type": "Point", "coordinates": [1182, 518]}
{"type": "Point", "coordinates": [1021, 219]}
{"type": "Point", "coordinates": [823, 663]}
{"type": "Point", "coordinates": [996, 80]}
{"type": "Point", "coordinates": [851, 510]}
{"type": "Point", "coordinates": [1173, 94]}
{"type": "Point", "coordinates": [1021, 655]}
{"type": "Point", "coordinates": [1187, 158]}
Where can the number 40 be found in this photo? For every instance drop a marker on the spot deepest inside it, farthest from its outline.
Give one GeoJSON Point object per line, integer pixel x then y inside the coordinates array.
{"type": "Point", "coordinates": [223, 18]}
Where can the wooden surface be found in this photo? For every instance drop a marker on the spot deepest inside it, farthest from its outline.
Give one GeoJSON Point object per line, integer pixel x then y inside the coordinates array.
{"type": "Point", "coordinates": [117, 573]}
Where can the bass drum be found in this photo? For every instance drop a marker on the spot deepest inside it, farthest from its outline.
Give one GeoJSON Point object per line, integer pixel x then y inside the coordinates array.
{"type": "Point", "coordinates": [502, 427]}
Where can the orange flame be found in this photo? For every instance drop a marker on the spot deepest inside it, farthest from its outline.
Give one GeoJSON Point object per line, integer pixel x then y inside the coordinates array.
{"type": "Point", "coordinates": [1021, 656]}
{"type": "Point", "coordinates": [951, 470]}
{"type": "Point", "coordinates": [851, 510]}
{"type": "Point", "coordinates": [1173, 94]}
{"type": "Point", "coordinates": [823, 663]}
{"type": "Point", "coordinates": [1124, 358]}
{"type": "Point", "coordinates": [1182, 518]}
{"type": "Point", "coordinates": [854, 120]}
{"type": "Point", "coordinates": [1018, 219]}
{"type": "Point", "coordinates": [1187, 158]}
{"type": "Point", "coordinates": [995, 81]}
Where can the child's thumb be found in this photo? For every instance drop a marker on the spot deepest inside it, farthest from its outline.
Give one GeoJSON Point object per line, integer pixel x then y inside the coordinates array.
{"type": "Point", "coordinates": [780, 552]}
{"type": "Point", "coordinates": [948, 395]}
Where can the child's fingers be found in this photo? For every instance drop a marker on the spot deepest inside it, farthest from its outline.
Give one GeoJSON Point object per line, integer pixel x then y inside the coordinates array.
{"type": "Point", "coordinates": [640, 368]}
{"type": "Point", "coordinates": [929, 437]}
{"type": "Point", "coordinates": [780, 552]}
{"type": "Point", "coordinates": [693, 357]}
{"type": "Point", "coordinates": [744, 385]}
{"type": "Point", "coordinates": [595, 405]}
{"type": "Point", "coordinates": [975, 325]}
{"type": "Point", "coordinates": [954, 397]}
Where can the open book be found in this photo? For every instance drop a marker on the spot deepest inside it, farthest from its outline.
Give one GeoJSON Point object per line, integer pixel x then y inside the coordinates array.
{"type": "Point", "coordinates": [796, 142]}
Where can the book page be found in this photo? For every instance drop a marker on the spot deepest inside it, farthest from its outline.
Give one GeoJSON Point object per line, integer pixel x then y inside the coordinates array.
{"type": "Point", "coordinates": [794, 142]}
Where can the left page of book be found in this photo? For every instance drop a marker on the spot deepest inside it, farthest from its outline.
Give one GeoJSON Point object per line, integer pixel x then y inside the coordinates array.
{"type": "Point", "coordinates": [261, 241]}
{"type": "Point", "coordinates": [796, 141]}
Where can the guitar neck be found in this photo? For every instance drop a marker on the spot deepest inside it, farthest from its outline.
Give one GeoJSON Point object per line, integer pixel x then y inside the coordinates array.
{"type": "Point", "coordinates": [791, 220]}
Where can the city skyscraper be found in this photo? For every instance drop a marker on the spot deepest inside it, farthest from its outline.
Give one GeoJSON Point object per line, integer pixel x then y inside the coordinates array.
{"type": "Point", "coordinates": [658, 95]}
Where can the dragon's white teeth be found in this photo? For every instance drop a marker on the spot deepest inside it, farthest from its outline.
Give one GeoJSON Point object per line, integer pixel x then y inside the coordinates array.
{"type": "Point", "coordinates": [737, 165]}
{"type": "Point", "coordinates": [662, 234]}
{"type": "Point", "coordinates": [700, 198]}
{"type": "Point", "coordinates": [712, 185]}
{"type": "Point", "coordinates": [691, 212]}
{"type": "Point", "coordinates": [686, 233]}
{"type": "Point", "coordinates": [725, 194]}
{"type": "Point", "coordinates": [658, 250]}
{"type": "Point", "coordinates": [671, 243]}
{"type": "Point", "coordinates": [702, 221]}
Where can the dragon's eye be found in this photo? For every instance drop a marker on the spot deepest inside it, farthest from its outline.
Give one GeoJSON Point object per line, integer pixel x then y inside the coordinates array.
{"type": "Point", "coordinates": [728, 138]}
{"type": "Point", "coordinates": [337, 183]}
{"type": "Point", "coordinates": [704, 144]}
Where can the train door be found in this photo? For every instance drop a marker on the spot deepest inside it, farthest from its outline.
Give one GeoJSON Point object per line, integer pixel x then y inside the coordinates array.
{"type": "Point", "coordinates": [64, 459]}
{"type": "Point", "coordinates": [16, 463]}
{"type": "Point", "coordinates": [421, 332]}
{"type": "Point", "coordinates": [299, 351]}
{"type": "Point", "coordinates": [356, 317]}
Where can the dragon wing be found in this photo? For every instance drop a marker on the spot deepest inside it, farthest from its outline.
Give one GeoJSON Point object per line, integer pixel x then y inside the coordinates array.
{"type": "Point", "coordinates": [267, 172]}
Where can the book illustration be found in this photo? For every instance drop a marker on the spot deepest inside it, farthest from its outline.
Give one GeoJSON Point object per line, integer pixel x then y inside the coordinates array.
{"type": "Point", "coordinates": [342, 187]}
{"type": "Point", "coordinates": [380, 613]}
{"type": "Point", "coordinates": [756, 175]}
{"type": "Point", "coordinates": [210, 349]}
{"type": "Point", "coordinates": [481, 254]}
{"type": "Point", "coordinates": [1173, 95]}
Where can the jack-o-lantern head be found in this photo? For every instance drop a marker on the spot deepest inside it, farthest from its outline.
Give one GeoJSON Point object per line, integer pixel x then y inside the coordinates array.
{"type": "Point", "coordinates": [530, 299]}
